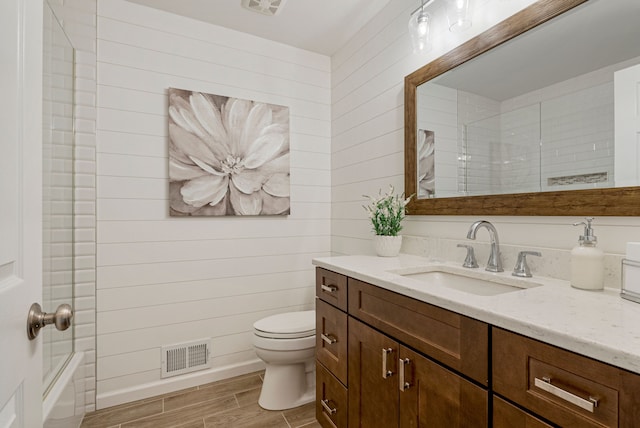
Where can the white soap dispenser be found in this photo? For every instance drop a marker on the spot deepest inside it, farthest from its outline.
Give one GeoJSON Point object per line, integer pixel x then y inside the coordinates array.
{"type": "Point", "coordinates": [587, 260]}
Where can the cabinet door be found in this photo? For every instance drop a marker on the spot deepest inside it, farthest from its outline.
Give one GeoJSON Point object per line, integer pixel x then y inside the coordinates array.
{"type": "Point", "coordinates": [433, 396]}
{"type": "Point", "coordinates": [373, 378]}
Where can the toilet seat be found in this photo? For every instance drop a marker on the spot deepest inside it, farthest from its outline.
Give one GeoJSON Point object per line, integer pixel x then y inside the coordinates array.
{"type": "Point", "coordinates": [291, 325]}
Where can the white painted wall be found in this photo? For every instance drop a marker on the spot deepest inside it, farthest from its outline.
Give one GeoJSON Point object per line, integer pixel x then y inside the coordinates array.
{"type": "Point", "coordinates": [367, 143]}
{"type": "Point", "coordinates": [163, 280]}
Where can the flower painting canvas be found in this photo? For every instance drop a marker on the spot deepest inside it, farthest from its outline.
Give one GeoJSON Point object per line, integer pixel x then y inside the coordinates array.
{"type": "Point", "coordinates": [227, 156]}
{"type": "Point", "coordinates": [426, 164]}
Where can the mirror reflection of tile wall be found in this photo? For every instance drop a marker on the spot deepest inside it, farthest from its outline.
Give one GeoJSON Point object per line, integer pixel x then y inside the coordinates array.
{"type": "Point", "coordinates": [556, 138]}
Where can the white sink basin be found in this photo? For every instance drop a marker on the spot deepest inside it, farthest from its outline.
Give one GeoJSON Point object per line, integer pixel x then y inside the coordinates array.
{"type": "Point", "coordinates": [474, 282]}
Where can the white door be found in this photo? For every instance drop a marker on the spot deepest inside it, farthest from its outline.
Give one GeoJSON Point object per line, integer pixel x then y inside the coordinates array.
{"type": "Point", "coordinates": [20, 210]}
{"type": "Point", "coordinates": [627, 126]}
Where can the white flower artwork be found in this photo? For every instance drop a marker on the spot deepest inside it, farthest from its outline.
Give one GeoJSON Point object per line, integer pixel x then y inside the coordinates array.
{"type": "Point", "coordinates": [426, 164]}
{"type": "Point", "coordinates": [227, 156]}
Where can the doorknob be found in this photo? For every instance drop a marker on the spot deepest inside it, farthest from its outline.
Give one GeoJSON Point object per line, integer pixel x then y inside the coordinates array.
{"type": "Point", "coordinates": [38, 319]}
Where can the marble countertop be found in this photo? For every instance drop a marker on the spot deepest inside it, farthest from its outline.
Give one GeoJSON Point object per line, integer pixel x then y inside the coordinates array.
{"type": "Point", "coordinates": [598, 324]}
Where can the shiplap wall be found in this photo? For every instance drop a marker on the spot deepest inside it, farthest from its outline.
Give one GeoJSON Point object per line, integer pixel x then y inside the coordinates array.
{"type": "Point", "coordinates": [78, 18]}
{"type": "Point", "coordinates": [165, 280]}
{"type": "Point", "coordinates": [367, 137]}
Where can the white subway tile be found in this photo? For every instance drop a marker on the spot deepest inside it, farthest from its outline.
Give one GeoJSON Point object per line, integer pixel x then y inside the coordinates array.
{"type": "Point", "coordinates": [85, 125]}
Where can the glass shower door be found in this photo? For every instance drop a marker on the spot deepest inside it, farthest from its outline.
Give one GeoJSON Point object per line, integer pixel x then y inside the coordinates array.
{"type": "Point", "coordinates": [57, 190]}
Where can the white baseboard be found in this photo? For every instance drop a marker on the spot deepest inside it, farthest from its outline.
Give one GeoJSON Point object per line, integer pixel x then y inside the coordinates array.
{"type": "Point", "coordinates": [177, 383]}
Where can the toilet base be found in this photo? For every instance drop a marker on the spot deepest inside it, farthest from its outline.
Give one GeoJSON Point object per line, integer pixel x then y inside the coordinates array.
{"type": "Point", "coordinates": [287, 386]}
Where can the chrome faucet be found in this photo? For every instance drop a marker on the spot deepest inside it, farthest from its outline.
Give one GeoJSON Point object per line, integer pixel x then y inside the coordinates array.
{"type": "Point", "coordinates": [494, 264]}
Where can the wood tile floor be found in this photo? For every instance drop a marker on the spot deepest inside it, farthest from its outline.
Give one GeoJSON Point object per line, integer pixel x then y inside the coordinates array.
{"type": "Point", "coordinates": [230, 403]}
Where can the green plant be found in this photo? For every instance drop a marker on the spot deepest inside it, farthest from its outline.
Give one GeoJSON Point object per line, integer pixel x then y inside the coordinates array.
{"type": "Point", "coordinates": [386, 212]}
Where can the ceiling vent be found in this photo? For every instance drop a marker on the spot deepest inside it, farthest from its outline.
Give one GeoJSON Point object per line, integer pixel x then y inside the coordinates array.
{"type": "Point", "coordinates": [265, 7]}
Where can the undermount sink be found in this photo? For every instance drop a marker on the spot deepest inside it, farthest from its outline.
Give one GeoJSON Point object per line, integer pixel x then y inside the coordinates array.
{"type": "Point", "coordinates": [476, 282]}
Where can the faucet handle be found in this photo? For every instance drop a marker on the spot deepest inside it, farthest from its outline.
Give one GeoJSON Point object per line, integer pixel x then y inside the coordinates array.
{"type": "Point", "coordinates": [470, 260]}
{"type": "Point", "coordinates": [521, 268]}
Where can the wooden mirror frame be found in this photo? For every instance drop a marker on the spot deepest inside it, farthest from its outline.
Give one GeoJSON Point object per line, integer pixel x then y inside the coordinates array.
{"type": "Point", "coordinates": [618, 201]}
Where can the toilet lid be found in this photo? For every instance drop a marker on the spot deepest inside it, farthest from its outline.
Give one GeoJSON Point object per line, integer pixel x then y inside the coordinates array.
{"type": "Point", "coordinates": [289, 325]}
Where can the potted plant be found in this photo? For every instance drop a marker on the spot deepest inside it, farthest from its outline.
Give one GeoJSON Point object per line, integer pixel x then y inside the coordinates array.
{"type": "Point", "coordinates": [386, 213]}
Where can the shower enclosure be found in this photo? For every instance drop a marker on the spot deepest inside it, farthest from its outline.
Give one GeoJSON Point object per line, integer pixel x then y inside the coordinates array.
{"type": "Point", "coordinates": [61, 394]}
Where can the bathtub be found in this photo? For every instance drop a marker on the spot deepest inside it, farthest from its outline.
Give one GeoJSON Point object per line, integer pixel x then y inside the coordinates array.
{"type": "Point", "coordinates": [64, 405]}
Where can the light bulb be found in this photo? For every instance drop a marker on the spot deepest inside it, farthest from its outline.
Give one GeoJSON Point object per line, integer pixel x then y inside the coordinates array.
{"type": "Point", "coordinates": [423, 25]}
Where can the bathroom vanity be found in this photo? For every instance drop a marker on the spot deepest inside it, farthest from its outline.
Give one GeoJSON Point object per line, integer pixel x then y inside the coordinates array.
{"type": "Point", "coordinates": [396, 347]}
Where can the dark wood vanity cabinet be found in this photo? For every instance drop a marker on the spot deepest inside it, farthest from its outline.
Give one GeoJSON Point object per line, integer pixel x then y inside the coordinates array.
{"type": "Point", "coordinates": [387, 360]}
{"type": "Point", "coordinates": [401, 361]}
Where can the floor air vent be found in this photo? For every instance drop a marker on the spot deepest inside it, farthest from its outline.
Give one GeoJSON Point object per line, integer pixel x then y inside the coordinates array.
{"type": "Point", "coordinates": [185, 357]}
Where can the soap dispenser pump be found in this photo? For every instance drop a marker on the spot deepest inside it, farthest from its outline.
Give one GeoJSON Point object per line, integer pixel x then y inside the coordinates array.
{"type": "Point", "coordinates": [587, 260]}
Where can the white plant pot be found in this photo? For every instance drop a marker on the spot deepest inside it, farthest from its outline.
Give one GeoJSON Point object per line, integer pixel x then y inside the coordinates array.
{"type": "Point", "coordinates": [387, 246]}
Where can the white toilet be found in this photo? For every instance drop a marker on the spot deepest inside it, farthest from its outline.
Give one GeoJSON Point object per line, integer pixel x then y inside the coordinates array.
{"type": "Point", "coordinates": [286, 343]}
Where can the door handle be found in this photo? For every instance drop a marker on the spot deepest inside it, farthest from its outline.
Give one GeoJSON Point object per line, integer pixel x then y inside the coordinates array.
{"type": "Point", "coordinates": [385, 372]}
{"type": "Point", "coordinates": [37, 319]}
{"type": "Point", "coordinates": [329, 338]}
{"type": "Point", "coordinates": [546, 385]}
{"type": "Point", "coordinates": [329, 288]}
{"type": "Point", "coordinates": [403, 383]}
{"type": "Point", "coordinates": [327, 408]}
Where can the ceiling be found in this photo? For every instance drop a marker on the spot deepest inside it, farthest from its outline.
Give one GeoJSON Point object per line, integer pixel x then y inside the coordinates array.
{"type": "Point", "coordinates": [318, 26]}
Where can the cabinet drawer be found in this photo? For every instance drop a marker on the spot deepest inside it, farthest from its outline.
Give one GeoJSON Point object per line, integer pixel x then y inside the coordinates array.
{"type": "Point", "coordinates": [562, 386]}
{"type": "Point", "coordinates": [331, 339]}
{"type": "Point", "coordinates": [332, 288]}
{"type": "Point", "coordinates": [331, 400]}
{"type": "Point", "coordinates": [506, 415]}
{"type": "Point", "coordinates": [456, 341]}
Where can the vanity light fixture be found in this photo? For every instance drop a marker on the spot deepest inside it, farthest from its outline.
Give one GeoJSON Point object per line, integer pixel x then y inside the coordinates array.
{"type": "Point", "coordinates": [458, 14]}
{"type": "Point", "coordinates": [419, 28]}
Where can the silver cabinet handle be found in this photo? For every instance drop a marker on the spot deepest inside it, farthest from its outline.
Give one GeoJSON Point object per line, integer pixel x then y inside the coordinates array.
{"type": "Point", "coordinates": [330, 410]}
{"type": "Point", "coordinates": [386, 373]}
{"type": "Point", "coordinates": [38, 319]}
{"type": "Point", "coordinates": [545, 385]}
{"type": "Point", "coordinates": [329, 288]}
{"type": "Point", "coordinates": [329, 338]}
{"type": "Point", "coordinates": [403, 384]}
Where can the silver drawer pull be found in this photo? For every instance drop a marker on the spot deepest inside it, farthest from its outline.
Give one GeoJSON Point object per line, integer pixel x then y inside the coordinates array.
{"type": "Point", "coordinates": [329, 338]}
{"type": "Point", "coordinates": [330, 410]}
{"type": "Point", "coordinates": [545, 385]}
{"type": "Point", "coordinates": [386, 373]}
{"type": "Point", "coordinates": [402, 383]}
{"type": "Point", "coordinates": [329, 288]}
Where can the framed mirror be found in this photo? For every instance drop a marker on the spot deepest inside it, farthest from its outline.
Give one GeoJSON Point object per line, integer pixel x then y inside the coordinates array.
{"type": "Point", "coordinates": [522, 119]}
